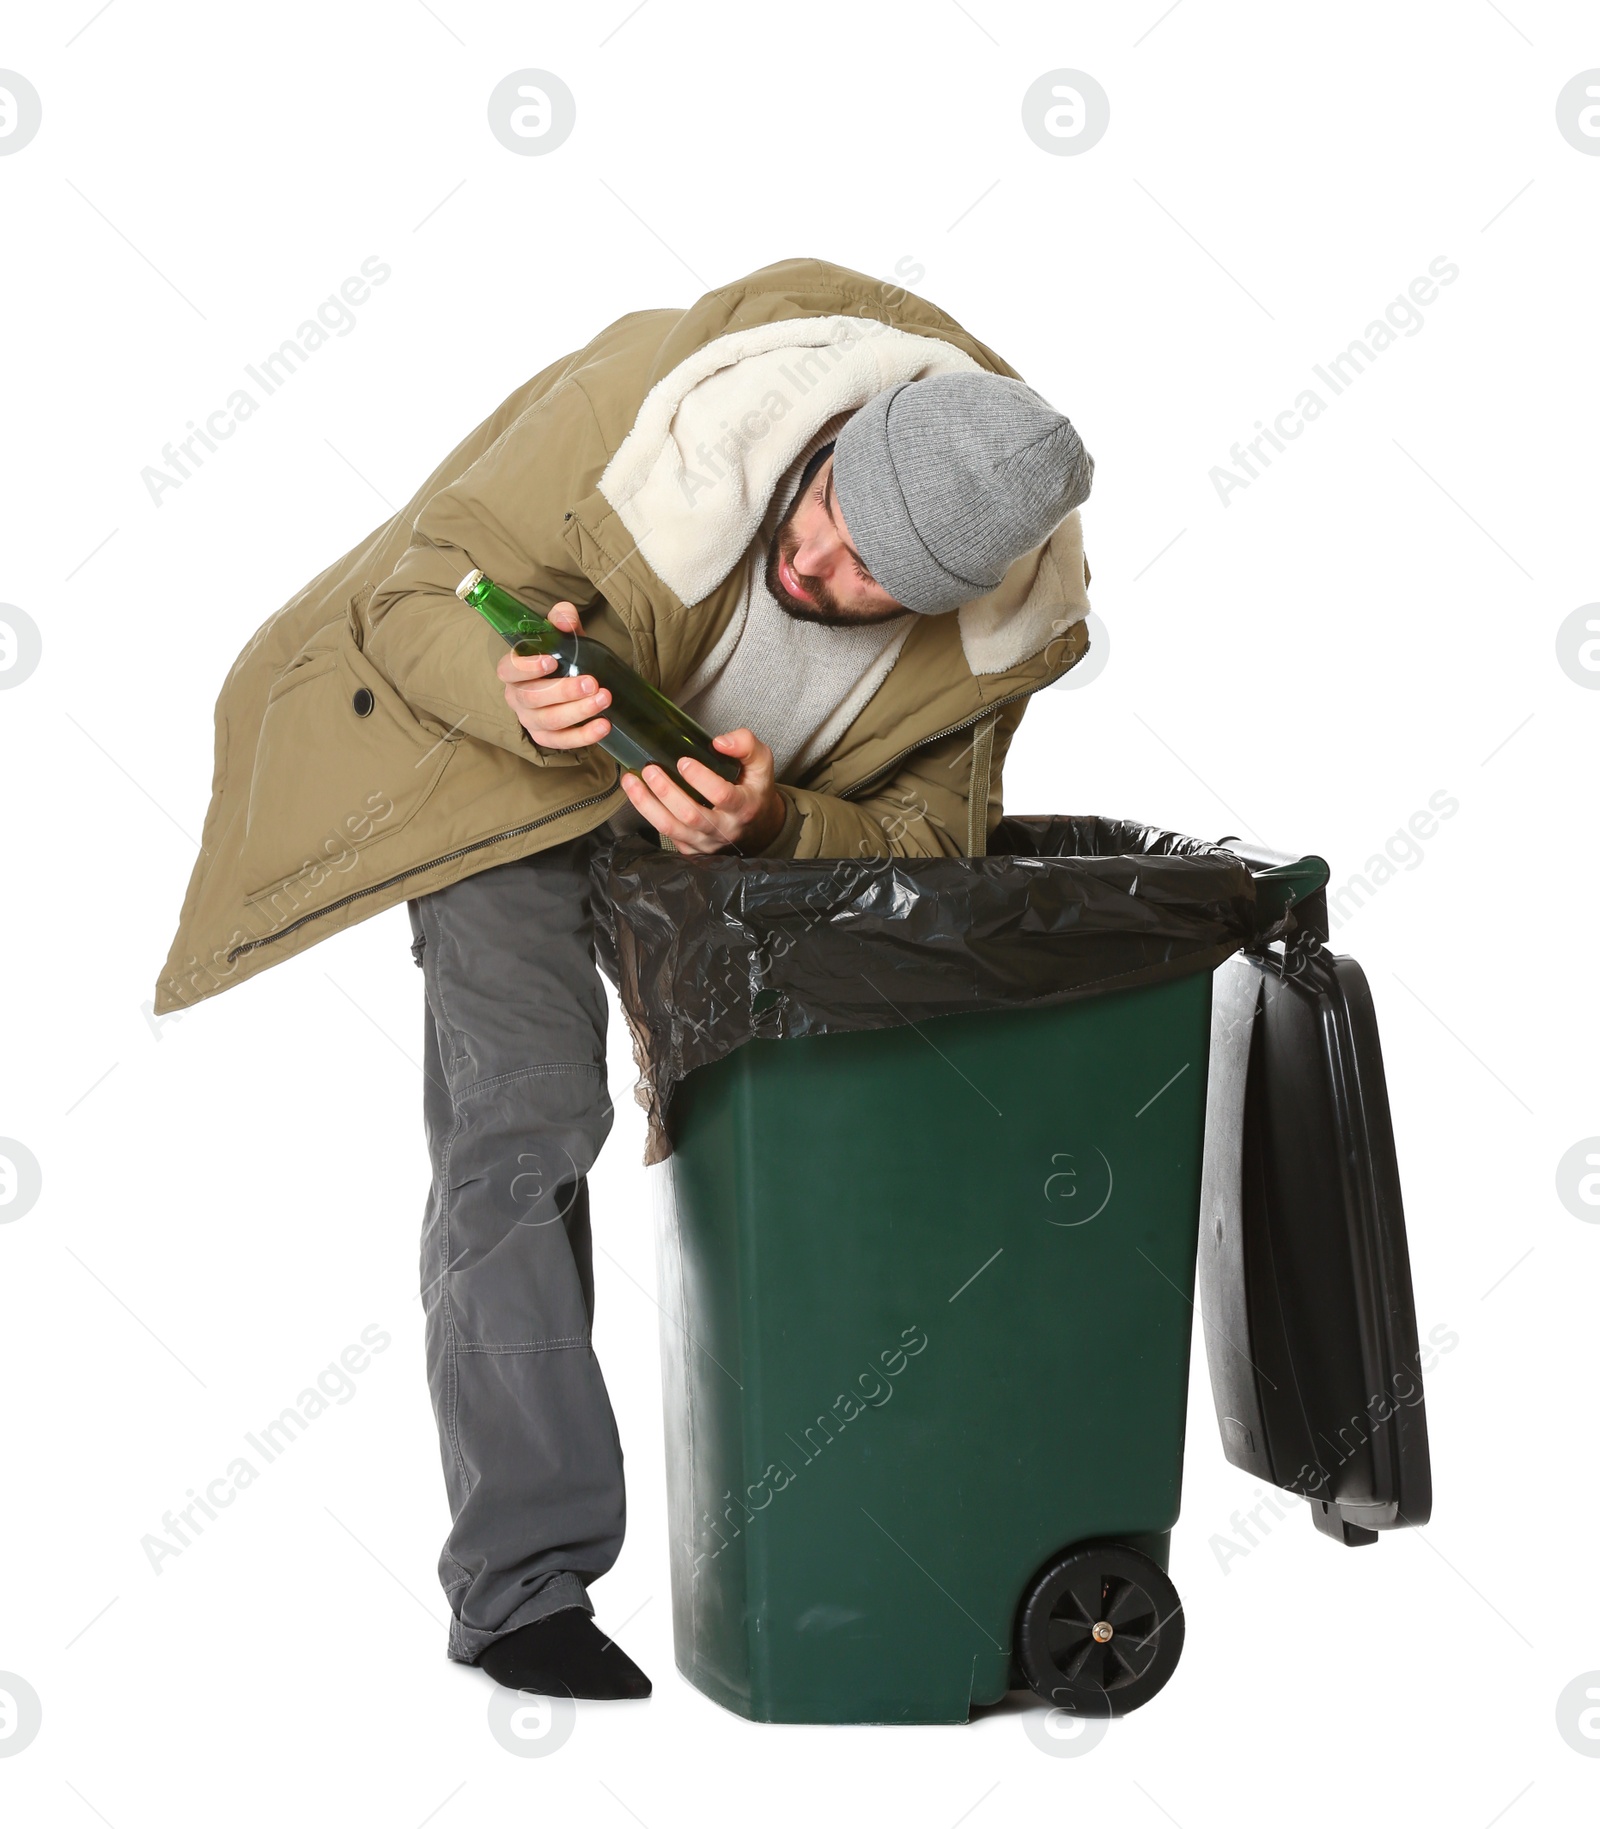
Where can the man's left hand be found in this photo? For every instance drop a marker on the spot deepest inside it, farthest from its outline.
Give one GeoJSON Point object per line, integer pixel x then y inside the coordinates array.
{"type": "Point", "coordinates": [743, 815]}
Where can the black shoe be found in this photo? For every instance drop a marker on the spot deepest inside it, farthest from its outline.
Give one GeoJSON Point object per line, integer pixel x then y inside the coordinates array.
{"type": "Point", "coordinates": [564, 1654]}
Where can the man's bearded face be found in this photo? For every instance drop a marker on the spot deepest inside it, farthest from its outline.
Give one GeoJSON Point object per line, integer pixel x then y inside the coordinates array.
{"type": "Point", "coordinates": [813, 568]}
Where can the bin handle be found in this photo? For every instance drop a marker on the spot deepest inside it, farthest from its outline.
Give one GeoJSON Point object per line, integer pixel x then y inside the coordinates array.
{"type": "Point", "coordinates": [1281, 878]}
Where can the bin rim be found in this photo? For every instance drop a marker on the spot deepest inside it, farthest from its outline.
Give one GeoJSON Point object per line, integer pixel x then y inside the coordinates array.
{"type": "Point", "coordinates": [709, 952]}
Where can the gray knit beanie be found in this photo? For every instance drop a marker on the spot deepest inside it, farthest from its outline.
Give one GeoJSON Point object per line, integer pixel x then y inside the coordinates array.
{"type": "Point", "coordinates": [943, 483]}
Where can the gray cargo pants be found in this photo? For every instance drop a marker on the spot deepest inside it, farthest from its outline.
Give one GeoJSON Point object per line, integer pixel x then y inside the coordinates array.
{"type": "Point", "coordinates": [516, 1109]}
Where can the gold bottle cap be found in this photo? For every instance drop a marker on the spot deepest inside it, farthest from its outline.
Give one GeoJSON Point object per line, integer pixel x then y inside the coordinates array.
{"type": "Point", "coordinates": [467, 583]}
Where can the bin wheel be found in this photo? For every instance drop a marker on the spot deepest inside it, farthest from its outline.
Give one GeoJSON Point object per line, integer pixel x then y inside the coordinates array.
{"type": "Point", "coordinates": [1100, 1630]}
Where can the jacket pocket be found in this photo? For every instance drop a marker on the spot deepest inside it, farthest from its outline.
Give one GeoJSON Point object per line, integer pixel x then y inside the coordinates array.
{"type": "Point", "coordinates": [341, 766]}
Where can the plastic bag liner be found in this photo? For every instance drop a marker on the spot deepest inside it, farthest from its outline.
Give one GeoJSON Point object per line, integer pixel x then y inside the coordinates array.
{"type": "Point", "coordinates": [708, 953]}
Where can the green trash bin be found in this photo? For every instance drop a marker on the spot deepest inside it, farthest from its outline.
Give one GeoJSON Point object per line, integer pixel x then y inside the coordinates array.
{"type": "Point", "coordinates": [927, 1288]}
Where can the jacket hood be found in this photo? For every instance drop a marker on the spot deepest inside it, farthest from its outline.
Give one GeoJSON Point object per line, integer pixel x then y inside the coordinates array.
{"type": "Point", "coordinates": [692, 480]}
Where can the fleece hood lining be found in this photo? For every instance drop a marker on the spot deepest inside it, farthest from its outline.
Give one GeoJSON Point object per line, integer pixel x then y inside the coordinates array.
{"type": "Point", "coordinates": [713, 439]}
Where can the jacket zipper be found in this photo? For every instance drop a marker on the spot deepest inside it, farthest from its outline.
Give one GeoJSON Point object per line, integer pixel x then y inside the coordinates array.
{"type": "Point", "coordinates": [938, 736]}
{"type": "Point", "coordinates": [477, 844]}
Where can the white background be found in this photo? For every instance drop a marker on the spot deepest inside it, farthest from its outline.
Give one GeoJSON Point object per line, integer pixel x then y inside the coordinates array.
{"type": "Point", "coordinates": [230, 1197]}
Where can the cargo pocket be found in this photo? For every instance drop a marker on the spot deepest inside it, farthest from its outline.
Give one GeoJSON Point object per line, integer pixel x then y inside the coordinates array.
{"type": "Point", "coordinates": [341, 766]}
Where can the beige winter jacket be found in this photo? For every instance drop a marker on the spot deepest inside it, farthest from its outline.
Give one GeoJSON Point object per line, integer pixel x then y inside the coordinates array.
{"type": "Point", "coordinates": [364, 749]}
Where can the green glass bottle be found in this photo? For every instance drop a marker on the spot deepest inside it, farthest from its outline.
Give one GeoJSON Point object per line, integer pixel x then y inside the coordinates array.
{"type": "Point", "coordinates": [645, 724]}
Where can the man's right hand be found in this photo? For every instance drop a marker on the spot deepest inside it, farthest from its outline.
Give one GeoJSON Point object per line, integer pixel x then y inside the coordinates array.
{"type": "Point", "coordinates": [556, 713]}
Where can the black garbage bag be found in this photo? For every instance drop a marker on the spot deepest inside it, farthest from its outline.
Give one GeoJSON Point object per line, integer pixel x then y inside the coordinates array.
{"type": "Point", "coordinates": [708, 953]}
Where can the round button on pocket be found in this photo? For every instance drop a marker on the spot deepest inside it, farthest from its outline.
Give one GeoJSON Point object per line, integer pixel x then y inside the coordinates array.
{"type": "Point", "coordinates": [363, 703]}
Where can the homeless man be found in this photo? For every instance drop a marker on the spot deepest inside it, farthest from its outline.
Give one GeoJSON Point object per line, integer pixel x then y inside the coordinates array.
{"type": "Point", "coordinates": [840, 532]}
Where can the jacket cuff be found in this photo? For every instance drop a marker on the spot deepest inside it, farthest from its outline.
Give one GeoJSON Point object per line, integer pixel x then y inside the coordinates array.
{"type": "Point", "coordinates": [534, 752]}
{"type": "Point", "coordinates": [788, 833]}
